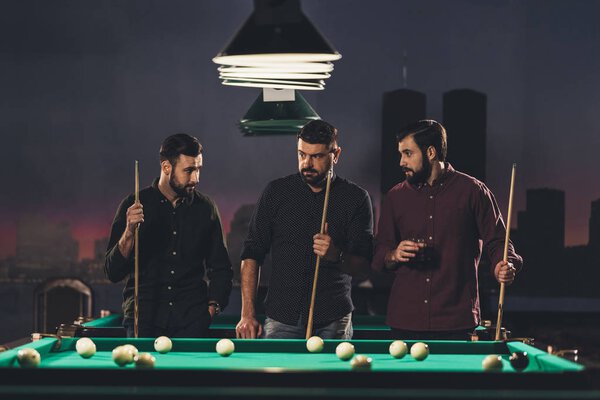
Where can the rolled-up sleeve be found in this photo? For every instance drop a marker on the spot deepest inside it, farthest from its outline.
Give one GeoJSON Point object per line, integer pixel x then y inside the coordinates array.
{"type": "Point", "coordinates": [258, 241]}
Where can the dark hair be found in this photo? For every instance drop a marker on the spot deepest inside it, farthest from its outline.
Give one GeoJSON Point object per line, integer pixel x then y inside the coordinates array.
{"type": "Point", "coordinates": [180, 143]}
{"type": "Point", "coordinates": [319, 131]}
{"type": "Point", "coordinates": [427, 132]}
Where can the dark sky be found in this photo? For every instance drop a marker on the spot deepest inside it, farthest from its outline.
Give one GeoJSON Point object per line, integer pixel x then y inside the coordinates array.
{"type": "Point", "coordinates": [87, 87]}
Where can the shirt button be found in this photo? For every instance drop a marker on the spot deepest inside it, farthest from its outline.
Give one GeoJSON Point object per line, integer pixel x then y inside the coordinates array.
{"type": "Point", "coordinates": [174, 232]}
{"type": "Point", "coordinates": [175, 253]}
{"type": "Point", "coordinates": [426, 301]}
{"type": "Point", "coordinates": [426, 280]}
{"type": "Point", "coordinates": [431, 217]}
{"type": "Point", "coordinates": [430, 238]}
{"type": "Point", "coordinates": [169, 287]}
{"type": "Point", "coordinates": [172, 272]}
{"type": "Point", "coordinates": [431, 197]}
{"type": "Point", "coordinates": [170, 303]}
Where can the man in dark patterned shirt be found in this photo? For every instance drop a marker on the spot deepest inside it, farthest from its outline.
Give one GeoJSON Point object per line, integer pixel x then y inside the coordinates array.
{"type": "Point", "coordinates": [180, 240]}
{"type": "Point", "coordinates": [430, 232]}
{"type": "Point", "coordinates": [286, 222]}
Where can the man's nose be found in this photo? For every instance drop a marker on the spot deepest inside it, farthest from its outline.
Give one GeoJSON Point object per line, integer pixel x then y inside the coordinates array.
{"type": "Point", "coordinates": [195, 178]}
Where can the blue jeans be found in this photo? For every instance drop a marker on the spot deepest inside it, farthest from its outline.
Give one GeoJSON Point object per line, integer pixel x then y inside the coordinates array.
{"type": "Point", "coordinates": [339, 329]}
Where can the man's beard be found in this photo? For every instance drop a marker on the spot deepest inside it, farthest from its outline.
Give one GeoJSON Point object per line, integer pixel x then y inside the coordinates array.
{"type": "Point", "coordinates": [420, 176]}
{"type": "Point", "coordinates": [182, 191]}
{"type": "Point", "coordinates": [315, 180]}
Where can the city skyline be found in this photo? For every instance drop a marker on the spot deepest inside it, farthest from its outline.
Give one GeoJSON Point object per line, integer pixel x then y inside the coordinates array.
{"type": "Point", "coordinates": [88, 239]}
{"type": "Point", "coordinates": [89, 88]}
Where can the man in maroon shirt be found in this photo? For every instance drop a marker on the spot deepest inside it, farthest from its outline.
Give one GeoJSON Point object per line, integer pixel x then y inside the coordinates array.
{"type": "Point", "coordinates": [432, 230]}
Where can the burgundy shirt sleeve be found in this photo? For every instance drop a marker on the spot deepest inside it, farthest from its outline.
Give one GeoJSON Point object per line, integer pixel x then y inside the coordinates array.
{"type": "Point", "coordinates": [492, 229]}
{"type": "Point", "coordinates": [387, 237]}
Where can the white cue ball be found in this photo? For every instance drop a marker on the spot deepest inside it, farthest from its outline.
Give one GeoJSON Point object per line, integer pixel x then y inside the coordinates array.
{"type": "Point", "coordinates": [419, 351]}
{"type": "Point", "coordinates": [344, 351]}
{"type": "Point", "coordinates": [85, 347]}
{"type": "Point", "coordinates": [398, 349]}
{"type": "Point", "coordinates": [225, 347]}
{"type": "Point", "coordinates": [493, 362]}
{"type": "Point", "coordinates": [163, 344]}
{"type": "Point", "coordinates": [28, 358]}
{"type": "Point", "coordinates": [144, 360]}
{"type": "Point", "coordinates": [315, 344]}
{"type": "Point", "coordinates": [121, 356]}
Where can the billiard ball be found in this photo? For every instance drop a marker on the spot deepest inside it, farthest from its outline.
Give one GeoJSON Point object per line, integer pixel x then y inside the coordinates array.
{"type": "Point", "coordinates": [28, 358]}
{"type": "Point", "coordinates": [419, 351]}
{"type": "Point", "coordinates": [398, 349]}
{"type": "Point", "coordinates": [315, 344]}
{"type": "Point", "coordinates": [85, 347]}
{"type": "Point", "coordinates": [493, 362]}
{"type": "Point", "coordinates": [344, 351]}
{"type": "Point", "coordinates": [225, 347]}
{"type": "Point", "coordinates": [131, 349]}
{"type": "Point", "coordinates": [519, 360]}
{"type": "Point", "coordinates": [122, 356]}
{"type": "Point", "coordinates": [163, 344]}
{"type": "Point", "coordinates": [144, 360]}
{"type": "Point", "coordinates": [361, 363]}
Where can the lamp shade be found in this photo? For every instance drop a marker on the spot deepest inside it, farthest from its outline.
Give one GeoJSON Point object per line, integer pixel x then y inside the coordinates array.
{"type": "Point", "coordinates": [277, 117]}
{"type": "Point", "coordinates": [277, 42]}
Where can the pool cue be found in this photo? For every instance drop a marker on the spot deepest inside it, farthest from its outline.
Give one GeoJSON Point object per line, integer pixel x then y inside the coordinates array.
{"type": "Point", "coordinates": [136, 256]}
{"type": "Point", "coordinates": [309, 326]}
{"type": "Point", "coordinates": [505, 256]}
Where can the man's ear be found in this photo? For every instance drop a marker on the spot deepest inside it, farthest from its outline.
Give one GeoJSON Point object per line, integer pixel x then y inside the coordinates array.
{"type": "Point", "coordinates": [166, 167]}
{"type": "Point", "coordinates": [336, 155]}
{"type": "Point", "coordinates": [431, 153]}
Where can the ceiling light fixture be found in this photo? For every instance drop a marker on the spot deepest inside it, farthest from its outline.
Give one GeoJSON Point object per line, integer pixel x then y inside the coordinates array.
{"type": "Point", "coordinates": [277, 42]}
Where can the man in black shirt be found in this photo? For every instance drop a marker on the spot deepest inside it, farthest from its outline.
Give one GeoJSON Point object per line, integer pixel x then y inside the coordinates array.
{"type": "Point", "coordinates": [181, 240]}
{"type": "Point", "coordinates": [287, 223]}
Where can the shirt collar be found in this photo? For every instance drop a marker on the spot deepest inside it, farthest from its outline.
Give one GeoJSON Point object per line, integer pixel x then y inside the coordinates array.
{"type": "Point", "coordinates": [446, 173]}
{"type": "Point", "coordinates": [187, 200]}
{"type": "Point", "coordinates": [333, 180]}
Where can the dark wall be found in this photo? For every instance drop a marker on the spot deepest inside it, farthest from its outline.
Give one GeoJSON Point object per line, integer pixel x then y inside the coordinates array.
{"type": "Point", "coordinates": [87, 87]}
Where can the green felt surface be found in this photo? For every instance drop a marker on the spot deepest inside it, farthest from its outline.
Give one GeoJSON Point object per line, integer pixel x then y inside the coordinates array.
{"type": "Point", "coordinates": [291, 355]}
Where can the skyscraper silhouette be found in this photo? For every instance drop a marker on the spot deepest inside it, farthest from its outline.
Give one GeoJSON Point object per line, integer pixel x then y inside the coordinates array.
{"type": "Point", "coordinates": [465, 119]}
{"type": "Point", "coordinates": [541, 240]}
{"type": "Point", "coordinates": [400, 108]}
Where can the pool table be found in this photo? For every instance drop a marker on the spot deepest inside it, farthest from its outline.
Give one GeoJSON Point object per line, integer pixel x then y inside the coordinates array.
{"type": "Point", "coordinates": [284, 368]}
